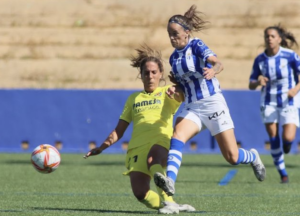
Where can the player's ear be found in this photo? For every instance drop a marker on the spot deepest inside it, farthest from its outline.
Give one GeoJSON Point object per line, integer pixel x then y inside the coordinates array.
{"type": "Point", "coordinates": [187, 33]}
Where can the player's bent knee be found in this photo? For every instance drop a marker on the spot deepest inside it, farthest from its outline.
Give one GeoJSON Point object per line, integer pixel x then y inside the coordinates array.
{"type": "Point", "coordinates": [288, 138]}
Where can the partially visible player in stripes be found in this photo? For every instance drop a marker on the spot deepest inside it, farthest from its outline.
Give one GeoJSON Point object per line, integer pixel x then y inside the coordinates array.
{"type": "Point", "coordinates": [195, 67]}
{"type": "Point", "coordinates": [151, 112]}
{"type": "Point", "coordinates": [277, 70]}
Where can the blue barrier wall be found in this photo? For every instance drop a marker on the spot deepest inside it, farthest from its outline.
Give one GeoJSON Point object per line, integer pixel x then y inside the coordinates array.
{"type": "Point", "coordinates": [75, 118]}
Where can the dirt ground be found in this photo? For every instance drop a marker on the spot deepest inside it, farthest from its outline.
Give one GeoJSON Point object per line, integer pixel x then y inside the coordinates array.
{"type": "Point", "coordinates": [86, 44]}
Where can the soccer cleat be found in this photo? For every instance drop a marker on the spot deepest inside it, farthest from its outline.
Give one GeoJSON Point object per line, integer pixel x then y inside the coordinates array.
{"type": "Point", "coordinates": [169, 209]}
{"type": "Point", "coordinates": [284, 179]}
{"type": "Point", "coordinates": [165, 183]}
{"type": "Point", "coordinates": [181, 207]}
{"type": "Point", "coordinates": [286, 148]}
{"type": "Point", "coordinates": [258, 167]}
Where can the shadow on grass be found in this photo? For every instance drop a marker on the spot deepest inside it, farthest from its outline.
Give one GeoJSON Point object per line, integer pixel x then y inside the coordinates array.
{"type": "Point", "coordinates": [103, 210]}
{"type": "Point", "coordinates": [121, 163]}
{"type": "Point", "coordinates": [227, 165]}
{"type": "Point", "coordinates": [10, 210]}
{"type": "Point", "coordinates": [89, 163]}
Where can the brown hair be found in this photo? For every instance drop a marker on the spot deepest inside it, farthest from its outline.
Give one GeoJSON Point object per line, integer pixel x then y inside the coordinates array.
{"type": "Point", "coordinates": [191, 20]}
{"type": "Point", "coordinates": [288, 40]}
{"type": "Point", "coordinates": [146, 54]}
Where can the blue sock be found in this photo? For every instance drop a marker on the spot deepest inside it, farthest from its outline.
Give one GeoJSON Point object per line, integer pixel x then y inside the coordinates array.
{"type": "Point", "coordinates": [278, 157]}
{"type": "Point", "coordinates": [245, 157]}
{"type": "Point", "coordinates": [174, 158]}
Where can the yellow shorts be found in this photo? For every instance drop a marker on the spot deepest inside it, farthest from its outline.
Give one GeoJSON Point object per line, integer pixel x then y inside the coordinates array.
{"type": "Point", "coordinates": [136, 159]}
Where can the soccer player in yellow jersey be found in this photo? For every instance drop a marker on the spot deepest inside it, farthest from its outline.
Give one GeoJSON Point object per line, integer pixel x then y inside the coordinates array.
{"type": "Point", "coordinates": [151, 112]}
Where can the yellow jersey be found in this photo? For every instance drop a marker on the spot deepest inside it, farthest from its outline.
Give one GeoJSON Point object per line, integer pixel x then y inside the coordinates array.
{"type": "Point", "coordinates": [152, 117]}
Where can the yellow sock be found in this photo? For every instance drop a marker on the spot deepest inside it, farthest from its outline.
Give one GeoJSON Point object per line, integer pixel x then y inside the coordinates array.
{"type": "Point", "coordinates": [152, 200]}
{"type": "Point", "coordinates": [163, 196]}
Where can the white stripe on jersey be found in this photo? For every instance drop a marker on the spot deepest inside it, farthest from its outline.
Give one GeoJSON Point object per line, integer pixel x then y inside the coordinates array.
{"type": "Point", "coordinates": [283, 67]}
{"type": "Point", "coordinates": [189, 60]}
{"type": "Point", "coordinates": [204, 88]}
{"type": "Point", "coordinates": [272, 69]}
{"type": "Point", "coordinates": [178, 64]}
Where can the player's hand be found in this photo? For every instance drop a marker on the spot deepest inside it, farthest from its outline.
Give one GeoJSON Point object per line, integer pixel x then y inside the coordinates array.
{"type": "Point", "coordinates": [263, 80]}
{"type": "Point", "coordinates": [172, 78]}
{"type": "Point", "coordinates": [208, 73]}
{"type": "Point", "coordinates": [170, 92]}
{"type": "Point", "coordinates": [292, 92]}
{"type": "Point", "coordinates": [93, 152]}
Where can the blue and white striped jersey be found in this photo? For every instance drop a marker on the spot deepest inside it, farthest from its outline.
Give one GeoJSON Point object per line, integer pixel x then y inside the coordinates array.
{"type": "Point", "coordinates": [282, 70]}
{"type": "Point", "coordinates": [187, 66]}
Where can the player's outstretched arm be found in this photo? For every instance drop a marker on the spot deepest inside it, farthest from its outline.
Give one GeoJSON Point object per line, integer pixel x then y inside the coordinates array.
{"type": "Point", "coordinates": [113, 137]}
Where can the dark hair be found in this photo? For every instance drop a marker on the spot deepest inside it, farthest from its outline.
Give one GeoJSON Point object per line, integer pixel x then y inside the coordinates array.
{"type": "Point", "coordinates": [191, 20]}
{"type": "Point", "coordinates": [288, 40]}
{"type": "Point", "coordinates": [146, 54]}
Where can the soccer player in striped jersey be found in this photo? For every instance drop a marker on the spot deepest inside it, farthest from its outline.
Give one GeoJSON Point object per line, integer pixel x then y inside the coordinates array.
{"type": "Point", "coordinates": [195, 67]}
{"type": "Point", "coordinates": [277, 70]}
{"type": "Point", "coordinates": [151, 112]}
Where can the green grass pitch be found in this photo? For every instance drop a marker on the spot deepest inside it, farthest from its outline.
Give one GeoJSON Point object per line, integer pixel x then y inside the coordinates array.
{"type": "Point", "coordinates": [96, 187]}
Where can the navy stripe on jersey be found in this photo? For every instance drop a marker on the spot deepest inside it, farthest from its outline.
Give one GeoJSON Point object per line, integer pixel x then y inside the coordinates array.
{"type": "Point", "coordinates": [188, 92]}
{"type": "Point", "coordinates": [291, 100]}
{"type": "Point", "coordinates": [268, 88]}
{"type": "Point", "coordinates": [279, 87]}
{"type": "Point", "coordinates": [278, 71]}
{"type": "Point", "coordinates": [210, 86]}
{"type": "Point", "coordinates": [199, 94]}
{"type": "Point", "coordinates": [279, 93]}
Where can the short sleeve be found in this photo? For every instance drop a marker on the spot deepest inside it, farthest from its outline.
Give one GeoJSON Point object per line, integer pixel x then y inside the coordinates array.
{"type": "Point", "coordinates": [256, 72]}
{"type": "Point", "coordinates": [296, 64]}
{"type": "Point", "coordinates": [201, 50]}
{"type": "Point", "coordinates": [127, 110]}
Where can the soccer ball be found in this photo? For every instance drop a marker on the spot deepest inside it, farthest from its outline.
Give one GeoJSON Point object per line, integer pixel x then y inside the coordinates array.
{"type": "Point", "coordinates": [45, 158]}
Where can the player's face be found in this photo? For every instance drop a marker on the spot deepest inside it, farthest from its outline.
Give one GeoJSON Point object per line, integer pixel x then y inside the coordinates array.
{"type": "Point", "coordinates": [178, 36]}
{"type": "Point", "coordinates": [151, 76]}
{"type": "Point", "coordinates": [272, 39]}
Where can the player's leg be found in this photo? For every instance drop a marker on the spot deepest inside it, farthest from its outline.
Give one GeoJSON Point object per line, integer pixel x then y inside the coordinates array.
{"type": "Point", "coordinates": [289, 118]}
{"type": "Point", "coordinates": [140, 177]}
{"type": "Point", "coordinates": [288, 136]}
{"type": "Point", "coordinates": [185, 128]}
{"type": "Point", "coordinates": [217, 119]}
{"type": "Point", "coordinates": [140, 184]}
{"type": "Point", "coordinates": [157, 159]}
{"type": "Point", "coordinates": [271, 117]}
{"type": "Point", "coordinates": [235, 155]}
{"type": "Point", "coordinates": [276, 152]}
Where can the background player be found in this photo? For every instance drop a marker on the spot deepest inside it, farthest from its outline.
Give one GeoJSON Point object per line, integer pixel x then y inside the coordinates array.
{"type": "Point", "coordinates": [277, 70]}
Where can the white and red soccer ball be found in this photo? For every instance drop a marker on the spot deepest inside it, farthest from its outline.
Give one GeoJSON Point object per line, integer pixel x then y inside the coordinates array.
{"type": "Point", "coordinates": [45, 158]}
